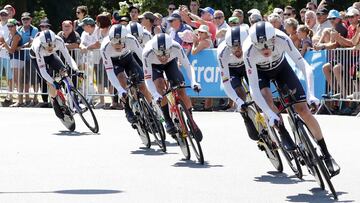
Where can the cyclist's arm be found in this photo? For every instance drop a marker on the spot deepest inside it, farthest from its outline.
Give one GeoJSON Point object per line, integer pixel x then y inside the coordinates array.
{"type": "Point", "coordinates": [190, 72]}
{"type": "Point", "coordinates": [109, 68]}
{"type": "Point", "coordinates": [42, 67]}
{"type": "Point", "coordinates": [65, 52]}
{"type": "Point", "coordinates": [252, 74]}
{"type": "Point", "coordinates": [225, 73]}
{"type": "Point", "coordinates": [301, 64]}
{"type": "Point", "coordinates": [148, 74]}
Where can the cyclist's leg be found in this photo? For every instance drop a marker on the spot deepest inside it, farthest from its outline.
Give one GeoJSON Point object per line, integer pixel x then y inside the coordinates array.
{"type": "Point", "coordinates": [236, 75]}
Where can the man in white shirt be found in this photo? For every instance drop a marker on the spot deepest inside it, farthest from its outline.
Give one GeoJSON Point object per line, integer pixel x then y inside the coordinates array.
{"type": "Point", "coordinates": [4, 55]}
{"type": "Point", "coordinates": [222, 26]}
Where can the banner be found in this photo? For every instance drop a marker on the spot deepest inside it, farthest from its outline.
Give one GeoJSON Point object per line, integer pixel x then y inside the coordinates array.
{"type": "Point", "coordinates": [209, 76]}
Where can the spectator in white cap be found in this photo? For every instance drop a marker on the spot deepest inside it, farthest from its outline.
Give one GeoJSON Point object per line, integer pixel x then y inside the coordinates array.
{"type": "Point", "coordinates": [310, 20]}
{"type": "Point", "coordinates": [207, 15]}
{"type": "Point", "coordinates": [11, 10]}
{"type": "Point", "coordinates": [187, 37]}
{"type": "Point", "coordinates": [356, 5]}
{"type": "Point", "coordinates": [202, 40]}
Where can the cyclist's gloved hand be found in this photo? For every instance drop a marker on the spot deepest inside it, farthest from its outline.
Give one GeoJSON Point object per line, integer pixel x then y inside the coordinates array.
{"type": "Point", "coordinates": [313, 100]}
{"type": "Point", "coordinates": [56, 85]}
{"type": "Point", "coordinates": [157, 98]}
{"type": "Point", "coordinates": [196, 87]}
{"type": "Point", "coordinates": [80, 73]}
{"type": "Point", "coordinates": [240, 105]}
{"type": "Point", "coordinates": [273, 119]}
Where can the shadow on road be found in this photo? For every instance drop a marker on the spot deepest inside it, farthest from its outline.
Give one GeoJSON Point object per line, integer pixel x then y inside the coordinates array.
{"type": "Point", "coordinates": [194, 164]}
{"type": "Point", "coordinates": [74, 133]}
{"type": "Point", "coordinates": [150, 152]}
{"type": "Point", "coordinates": [71, 192]}
{"type": "Point", "coordinates": [318, 196]}
{"type": "Point", "coordinates": [275, 177]}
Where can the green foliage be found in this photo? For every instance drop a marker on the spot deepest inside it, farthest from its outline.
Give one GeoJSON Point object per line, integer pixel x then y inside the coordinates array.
{"type": "Point", "coordinates": [38, 16]}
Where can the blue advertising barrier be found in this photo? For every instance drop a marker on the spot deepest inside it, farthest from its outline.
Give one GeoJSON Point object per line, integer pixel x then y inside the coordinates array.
{"type": "Point", "coordinates": [209, 76]}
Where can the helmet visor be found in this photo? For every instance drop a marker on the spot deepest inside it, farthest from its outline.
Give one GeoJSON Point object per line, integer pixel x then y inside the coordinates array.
{"type": "Point", "coordinates": [49, 45]}
{"type": "Point", "coordinates": [269, 44]}
{"type": "Point", "coordinates": [116, 40]}
{"type": "Point", "coordinates": [162, 52]}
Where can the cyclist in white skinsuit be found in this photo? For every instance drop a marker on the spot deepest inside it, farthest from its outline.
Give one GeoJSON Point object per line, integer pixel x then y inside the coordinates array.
{"type": "Point", "coordinates": [141, 34]}
{"type": "Point", "coordinates": [229, 55]}
{"type": "Point", "coordinates": [121, 54]}
{"type": "Point", "coordinates": [264, 57]}
{"type": "Point", "coordinates": [161, 54]}
{"type": "Point", "coordinates": [43, 52]}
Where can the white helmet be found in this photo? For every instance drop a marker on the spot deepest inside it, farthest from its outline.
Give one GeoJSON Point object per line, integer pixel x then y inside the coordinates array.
{"type": "Point", "coordinates": [262, 35]}
{"type": "Point", "coordinates": [161, 44]}
{"type": "Point", "coordinates": [117, 33]}
{"type": "Point", "coordinates": [136, 30]}
{"type": "Point", "coordinates": [235, 36]}
{"type": "Point", "coordinates": [47, 38]}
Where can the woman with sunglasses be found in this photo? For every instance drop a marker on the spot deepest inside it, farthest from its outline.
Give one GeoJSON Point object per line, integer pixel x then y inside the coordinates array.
{"type": "Point", "coordinates": [121, 53]}
{"type": "Point", "coordinates": [15, 42]}
{"type": "Point", "coordinates": [47, 62]}
{"type": "Point", "coordinates": [81, 13]}
{"type": "Point", "coordinates": [264, 56]}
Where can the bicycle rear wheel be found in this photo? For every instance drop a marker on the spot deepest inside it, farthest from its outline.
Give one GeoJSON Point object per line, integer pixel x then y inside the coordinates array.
{"type": "Point", "coordinates": [190, 127]}
{"type": "Point", "coordinates": [85, 111]}
{"type": "Point", "coordinates": [155, 126]}
{"type": "Point", "coordinates": [305, 132]}
{"type": "Point", "coordinates": [266, 143]}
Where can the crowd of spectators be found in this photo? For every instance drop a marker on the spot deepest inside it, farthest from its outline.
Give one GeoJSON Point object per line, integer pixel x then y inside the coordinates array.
{"type": "Point", "coordinates": [316, 27]}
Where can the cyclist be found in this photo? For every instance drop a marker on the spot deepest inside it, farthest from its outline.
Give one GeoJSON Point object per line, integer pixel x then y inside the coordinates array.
{"type": "Point", "coordinates": [141, 34]}
{"type": "Point", "coordinates": [121, 54]}
{"type": "Point", "coordinates": [264, 56]}
{"type": "Point", "coordinates": [229, 55]}
{"type": "Point", "coordinates": [43, 52]}
{"type": "Point", "coordinates": [161, 54]}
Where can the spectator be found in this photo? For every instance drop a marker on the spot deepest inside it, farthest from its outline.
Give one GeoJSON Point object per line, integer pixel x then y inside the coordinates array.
{"type": "Point", "coordinates": [11, 10]}
{"type": "Point", "coordinates": [302, 15]}
{"type": "Point", "coordinates": [356, 5]}
{"type": "Point", "coordinates": [158, 22]}
{"type": "Point", "coordinates": [222, 26]}
{"type": "Point", "coordinates": [177, 26]}
{"type": "Point", "coordinates": [254, 18]}
{"type": "Point", "coordinates": [4, 56]}
{"type": "Point", "coordinates": [280, 12]}
{"type": "Point", "coordinates": [115, 17]}
{"type": "Point", "coordinates": [291, 25]}
{"type": "Point", "coordinates": [81, 13]}
{"type": "Point", "coordinates": [289, 12]}
{"type": "Point", "coordinates": [305, 35]}
{"type": "Point", "coordinates": [16, 58]}
{"type": "Point", "coordinates": [70, 37]}
{"type": "Point", "coordinates": [124, 21]}
{"type": "Point", "coordinates": [311, 6]}
{"type": "Point", "coordinates": [310, 20]}
{"type": "Point", "coordinates": [195, 7]}
{"type": "Point", "coordinates": [187, 38]}
{"type": "Point", "coordinates": [202, 41]}
{"type": "Point", "coordinates": [28, 33]}
{"type": "Point", "coordinates": [240, 14]}
{"type": "Point", "coordinates": [206, 18]}
{"type": "Point", "coordinates": [233, 21]}
{"type": "Point", "coordinates": [323, 23]}
{"type": "Point", "coordinates": [148, 21]}
{"type": "Point", "coordinates": [134, 12]}
{"type": "Point", "coordinates": [276, 21]}
{"type": "Point", "coordinates": [165, 23]}
{"type": "Point", "coordinates": [353, 16]}
{"type": "Point", "coordinates": [44, 24]}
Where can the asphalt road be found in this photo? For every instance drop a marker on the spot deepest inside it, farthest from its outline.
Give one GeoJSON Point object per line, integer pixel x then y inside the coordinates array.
{"type": "Point", "coordinates": [41, 162]}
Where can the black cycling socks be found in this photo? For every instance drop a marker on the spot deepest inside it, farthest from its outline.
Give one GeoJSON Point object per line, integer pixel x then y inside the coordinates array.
{"type": "Point", "coordinates": [323, 147]}
{"type": "Point", "coordinates": [165, 110]}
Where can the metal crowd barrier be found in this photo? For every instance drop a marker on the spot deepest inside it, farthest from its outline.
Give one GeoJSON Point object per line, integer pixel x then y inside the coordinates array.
{"type": "Point", "coordinates": [19, 76]}
{"type": "Point", "coordinates": [343, 82]}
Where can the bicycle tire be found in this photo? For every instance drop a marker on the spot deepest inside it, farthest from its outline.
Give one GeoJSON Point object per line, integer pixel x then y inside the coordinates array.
{"type": "Point", "coordinates": [196, 146]}
{"type": "Point", "coordinates": [319, 162]}
{"type": "Point", "coordinates": [271, 153]}
{"type": "Point", "coordinates": [180, 138]}
{"type": "Point", "coordinates": [95, 127]}
{"type": "Point", "coordinates": [155, 126]}
{"type": "Point", "coordinates": [68, 119]}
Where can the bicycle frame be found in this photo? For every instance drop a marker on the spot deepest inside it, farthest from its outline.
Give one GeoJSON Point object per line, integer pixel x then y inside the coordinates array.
{"type": "Point", "coordinates": [68, 85]}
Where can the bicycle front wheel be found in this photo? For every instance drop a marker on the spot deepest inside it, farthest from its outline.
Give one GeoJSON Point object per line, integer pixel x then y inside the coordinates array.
{"type": "Point", "coordinates": [83, 108]}
{"type": "Point", "coordinates": [305, 134]}
{"type": "Point", "coordinates": [155, 126]}
{"type": "Point", "coordinates": [190, 126]}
